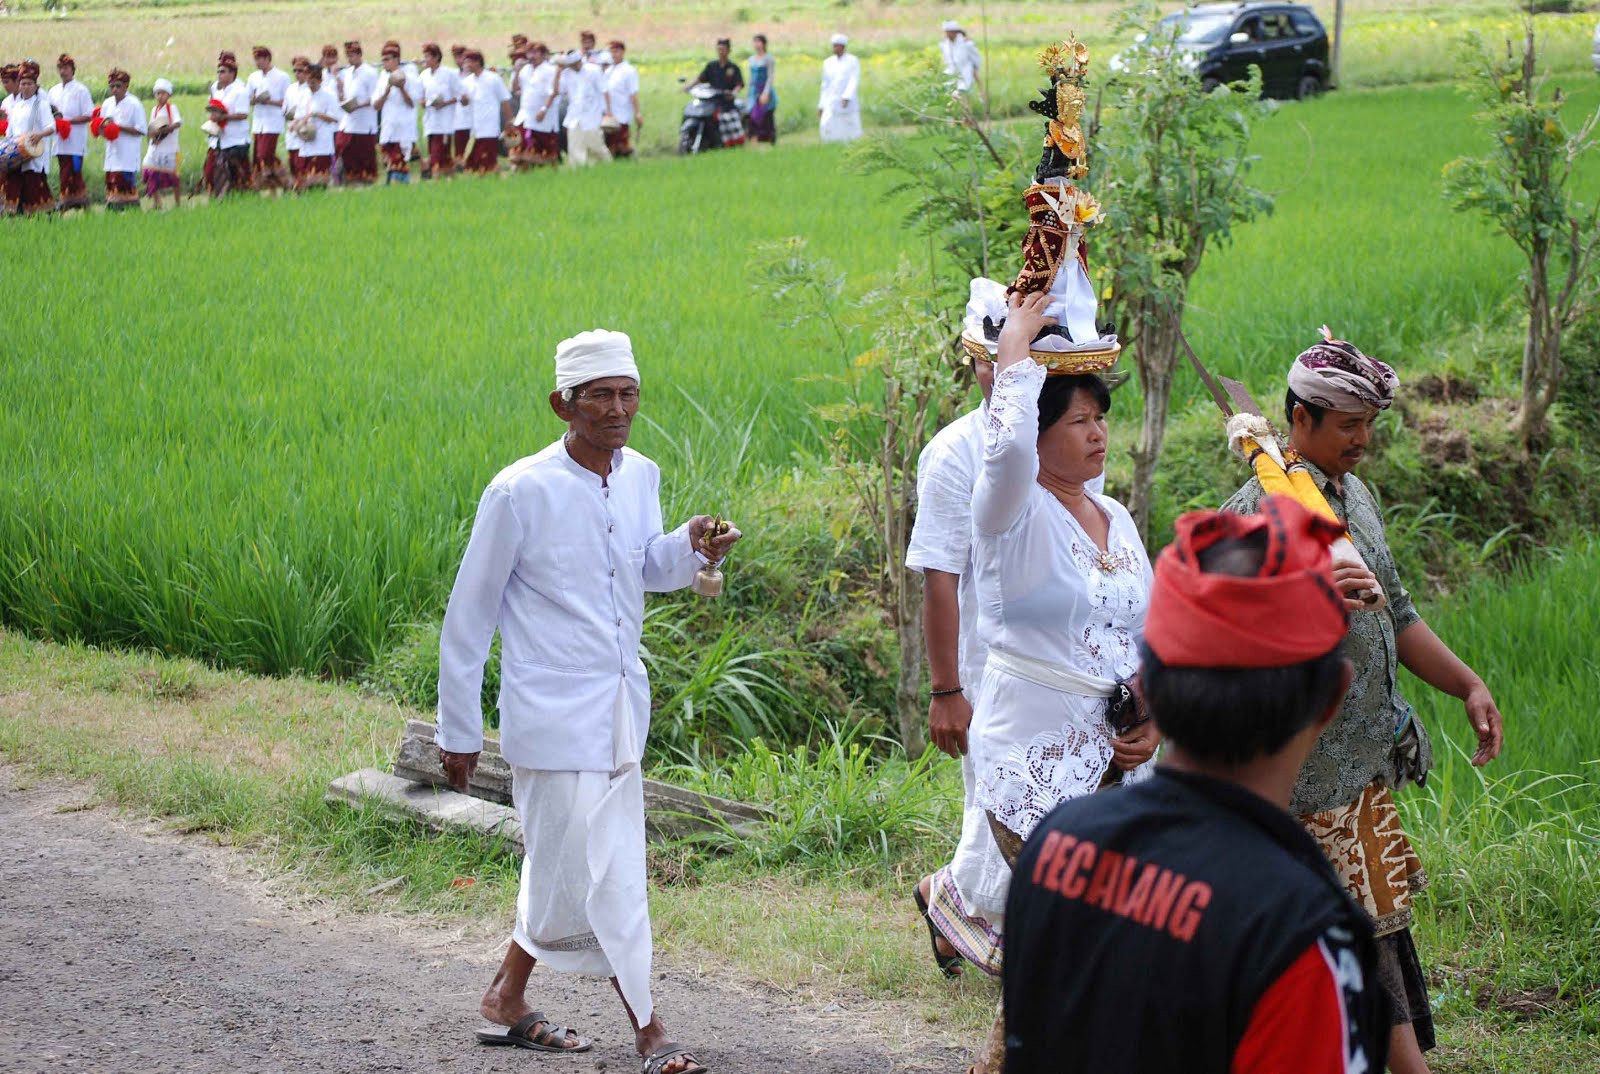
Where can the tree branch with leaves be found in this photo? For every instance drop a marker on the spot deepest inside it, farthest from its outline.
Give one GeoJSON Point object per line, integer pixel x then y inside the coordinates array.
{"type": "Point", "coordinates": [1524, 187]}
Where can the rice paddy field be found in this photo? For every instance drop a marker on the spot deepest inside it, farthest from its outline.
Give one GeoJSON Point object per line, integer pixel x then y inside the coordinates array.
{"type": "Point", "coordinates": [254, 432]}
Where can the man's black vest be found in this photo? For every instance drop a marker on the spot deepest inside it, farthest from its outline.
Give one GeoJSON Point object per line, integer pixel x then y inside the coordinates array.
{"type": "Point", "coordinates": [1144, 924]}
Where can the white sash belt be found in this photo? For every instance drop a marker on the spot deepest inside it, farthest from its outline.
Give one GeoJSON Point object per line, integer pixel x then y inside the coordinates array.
{"type": "Point", "coordinates": [1050, 675]}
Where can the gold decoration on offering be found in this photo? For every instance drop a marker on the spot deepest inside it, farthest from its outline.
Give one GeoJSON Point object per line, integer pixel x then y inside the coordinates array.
{"type": "Point", "coordinates": [1060, 363]}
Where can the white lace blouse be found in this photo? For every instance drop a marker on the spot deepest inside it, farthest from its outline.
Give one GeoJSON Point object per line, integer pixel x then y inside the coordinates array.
{"type": "Point", "coordinates": [1045, 590]}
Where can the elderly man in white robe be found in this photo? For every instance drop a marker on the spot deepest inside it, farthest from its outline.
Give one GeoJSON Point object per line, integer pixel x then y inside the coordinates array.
{"type": "Point", "coordinates": [839, 106]}
{"type": "Point", "coordinates": [962, 59]}
{"type": "Point", "coordinates": [565, 545]}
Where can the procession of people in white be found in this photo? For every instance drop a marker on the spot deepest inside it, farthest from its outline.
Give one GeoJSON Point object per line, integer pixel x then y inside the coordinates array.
{"type": "Point", "coordinates": [341, 123]}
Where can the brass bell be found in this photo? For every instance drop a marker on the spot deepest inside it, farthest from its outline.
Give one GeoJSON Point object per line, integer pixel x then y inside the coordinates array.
{"type": "Point", "coordinates": [708, 579]}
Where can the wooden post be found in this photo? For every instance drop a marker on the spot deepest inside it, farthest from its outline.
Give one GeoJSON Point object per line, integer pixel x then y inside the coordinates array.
{"type": "Point", "coordinates": [1338, 38]}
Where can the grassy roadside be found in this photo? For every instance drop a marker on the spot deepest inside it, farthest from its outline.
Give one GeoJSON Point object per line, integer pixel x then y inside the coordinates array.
{"type": "Point", "coordinates": [245, 761]}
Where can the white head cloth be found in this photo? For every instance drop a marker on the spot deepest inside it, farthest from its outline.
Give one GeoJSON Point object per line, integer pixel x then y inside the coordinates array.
{"type": "Point", "coordinates": [987, 298]}
{"type": "Point", "coordinates": [162, 86]}
{"type": "Point", "coordinates": [951, 24]}
{"type": "Point", "coordinates": [594, 354]}
{"type": "Point", "coordinates": [840, 39]}
{"type": "Point", "coordinates": [570, 59]}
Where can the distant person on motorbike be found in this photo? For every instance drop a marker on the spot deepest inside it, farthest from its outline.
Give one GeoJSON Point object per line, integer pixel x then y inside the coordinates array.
{"type": "Point", "coordinates": [725, 77]}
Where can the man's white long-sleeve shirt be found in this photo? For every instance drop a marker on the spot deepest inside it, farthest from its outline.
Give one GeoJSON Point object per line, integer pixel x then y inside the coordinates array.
{"type": "Point", "coordinates": [560, 562]}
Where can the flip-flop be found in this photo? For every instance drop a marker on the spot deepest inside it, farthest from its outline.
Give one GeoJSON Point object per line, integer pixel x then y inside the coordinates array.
{"type": "Point", "coordinates": [656, 1060]}
{"type": "Point", "coordinates": [521, 1036]}
{"type": "Point", "coordinates": [949, 965]}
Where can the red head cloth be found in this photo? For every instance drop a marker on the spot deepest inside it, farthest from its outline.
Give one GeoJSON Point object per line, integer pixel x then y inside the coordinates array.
{"type": "Point", "coordinates": [1287, 614]}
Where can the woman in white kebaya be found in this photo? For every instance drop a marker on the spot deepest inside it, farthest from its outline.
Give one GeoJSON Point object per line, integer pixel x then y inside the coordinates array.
{"type": "Point", "coordinates": [161, 159]}
{"type": "Point", "coordinates": [1062, 580]}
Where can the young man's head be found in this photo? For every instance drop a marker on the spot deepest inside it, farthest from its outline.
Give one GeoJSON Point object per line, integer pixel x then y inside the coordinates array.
{"type": "Point", "coordinates": [472, 61]}
{"type": "Point", "coordinates": [840, 43]}
{"type": "Point", "coordinates": [724, 48]}
{"type": "Point", "coordinates": [391, 56]}
{"type": "Point", "coordinates": [117, 83]}
{"type": "Point", "coordinates": [457, 52]}
{"type": "Point", "coordinates": [1334, 397]}
{"type": "Point", "coordinates": [8, 78]}
{"type": "Point", "coordinates": [1243, 656]}
{"type": "Point", "coordinates": [432, 55]}
{"type": "Point", "coordinates": [353, 53]}
{"type": "Point", "coordinates": [597, 389]}
{"type": "Point", "coordinates": [619, 51]}
{"type": "Point", "coordinates": [330, 57]}
{"type": "Point", "coordinates": [538, 53]}
{"type": "Point", "coordinates": [163, 92]}
{"type": "Point", "coordinates": [302, 68]}
{"type": "Point", "coordinates": [66, 67]}
{"type": "Point", "coordinates": [952, 29]}
{"type": "Point", "coordinates": [227, 69]}
{"type": "Point", "coordinates": [263, 57]}
{"type": "Point", "coordinates": [586, 41]}
{"type": "Point", "coordinates": [314, 78]}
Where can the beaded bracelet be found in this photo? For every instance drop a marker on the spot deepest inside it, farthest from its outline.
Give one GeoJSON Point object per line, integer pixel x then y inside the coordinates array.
{"type": "Point", "coordinates": [944, 693]}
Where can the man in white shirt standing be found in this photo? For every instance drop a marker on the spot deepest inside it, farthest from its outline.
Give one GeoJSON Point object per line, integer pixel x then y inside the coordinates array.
{"type": "Point", "coordinates": [463, 131]}
{"type": "Point", "coordinates": [399, 90]}
{"type": "Point", "coordinates": [28, 113]}
{"type": "Point", "coordinates": [228, 151]}
{"type": "Point", "coordinates": [73, 106]}
{"type": "Point", "coordinates": [541, 120]}
{"type": "Point", "coordinates": [490, 102]}
{"type": "Point", "coordinates": [295, 100]}
{"type": "Point", "coordinates": [441, 94]}
{"type": "Point", "coordinates": [357, 140]}
{"type": "Point", "coordinates": [122, 125]}
{"type": "Point", "coordinates": [586, 109]}
{"type": "Point", "coordinates": [838, 108]}
{"type": "Point", "coordinates": [962, 59]}
{"type": "Point", "coordinates": [622, 101]}
{"type": "Point", "coordinates": [565, 545]}
{"type": "Point", "coordinates": [268, 87]}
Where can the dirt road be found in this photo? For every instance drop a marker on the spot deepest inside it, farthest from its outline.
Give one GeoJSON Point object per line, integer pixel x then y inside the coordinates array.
{"type": "Point", "coordinates": [125, 949]}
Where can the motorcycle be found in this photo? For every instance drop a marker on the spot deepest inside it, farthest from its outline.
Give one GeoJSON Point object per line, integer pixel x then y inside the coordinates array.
{"type": "Point", "coordinates": [711, 120]}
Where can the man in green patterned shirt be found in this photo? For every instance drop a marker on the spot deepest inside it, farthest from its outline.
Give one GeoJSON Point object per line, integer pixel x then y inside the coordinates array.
{"type": "Point", "coordinates": [1343, 794]}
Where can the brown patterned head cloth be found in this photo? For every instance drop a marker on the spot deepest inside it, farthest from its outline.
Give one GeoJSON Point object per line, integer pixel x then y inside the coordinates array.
{"type": "Point", "coordinates": [228, 60]}
{"type": "Point", "coordinates": [29, 70]}
{"type": "Point", "coordinates": [1335, 375]}
{"type": "Point", "coordinates": [117, 74]}
{"type": "Point", "coordinates": [330, 51]}
{"type": "Point", "coordinates": [260, 51]}
{"type": "Point", "coordinates": [64, 60]}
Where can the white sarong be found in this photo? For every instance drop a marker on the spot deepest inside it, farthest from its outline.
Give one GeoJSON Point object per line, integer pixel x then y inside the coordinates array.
{"type": "Point", "coordinates": [1038, 738]}
{"type": "Point", "coordinates": [583, 903]}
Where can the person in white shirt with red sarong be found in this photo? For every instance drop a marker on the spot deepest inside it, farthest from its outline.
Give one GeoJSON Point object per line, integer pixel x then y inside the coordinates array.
{"type": "Point", "coordinates": [357, 140]}
{"type": "Point", "coordinates": [268, 86]}
{"type": "Point", "coordinates": [441, 96]}
{"type": "Point", "coordinates": [622, 101]}
{"type": "Point", "coordinates": [228, 150]}
{"type": "Point", "coordinates": [399, 91]}
{"type": "Point", "coordinates": [317, 142]}
{"type": "Point", "coordinates": [122, 126]}
{"type": "Point", "coordinates": [294, 105]}
{"type": "Point", "coordinates": [28, 116]}
{"type": "Point", "coordinates": [490, 104]}
{"type": "Point", "coordinates": [463, 133]}
{"type": "Point", "coordinates": [565, 545]}
{"type": "Point", "coordinates": [73, 106]}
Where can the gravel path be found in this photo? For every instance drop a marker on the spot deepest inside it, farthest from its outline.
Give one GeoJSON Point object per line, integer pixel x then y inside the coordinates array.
{"type": "Point", "coordinates": [128, 949]}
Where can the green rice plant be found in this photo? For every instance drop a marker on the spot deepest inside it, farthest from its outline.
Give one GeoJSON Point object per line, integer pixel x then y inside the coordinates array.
{"type": "Point", "coordinates": [837, 805]}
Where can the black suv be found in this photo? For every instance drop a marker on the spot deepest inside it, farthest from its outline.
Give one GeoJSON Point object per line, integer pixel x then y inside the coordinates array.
{"type": "Point", "coordinates": [1286, 41]}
